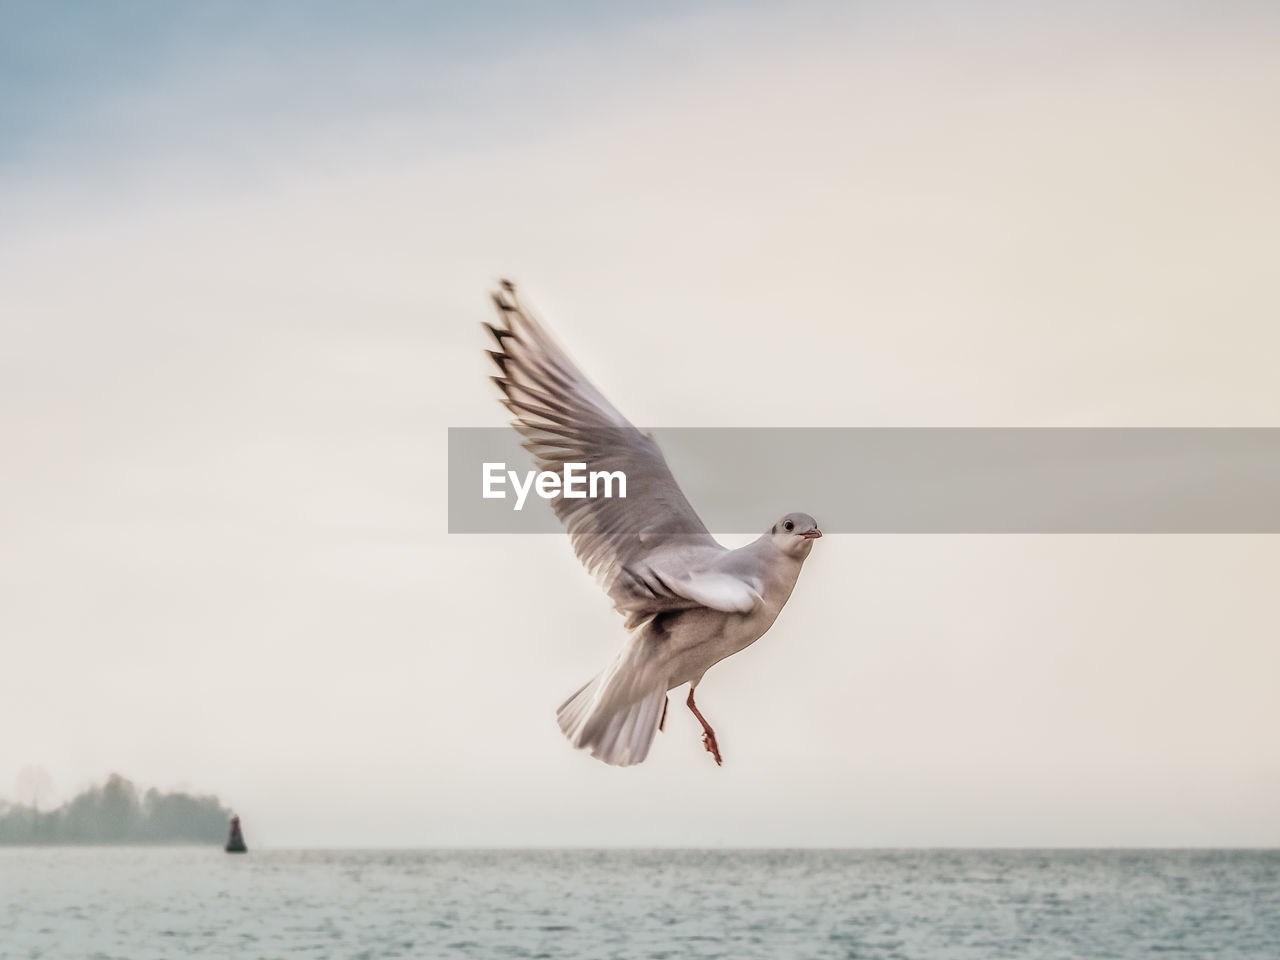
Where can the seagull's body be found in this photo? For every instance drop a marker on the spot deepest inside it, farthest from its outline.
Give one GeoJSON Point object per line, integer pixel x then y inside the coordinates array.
{"type": "Point", "coordinates": [688, 601]}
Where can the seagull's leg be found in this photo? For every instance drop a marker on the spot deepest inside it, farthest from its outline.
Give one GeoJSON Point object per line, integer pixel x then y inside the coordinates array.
{"type": "Point", "coordinates": [708, 735]}
{"type": "Point", "coordinates": [663, 722]}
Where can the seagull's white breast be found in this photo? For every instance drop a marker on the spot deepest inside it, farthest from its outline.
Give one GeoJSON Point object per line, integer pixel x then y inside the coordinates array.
{"type": "Point", "coordinates": [702, 638]}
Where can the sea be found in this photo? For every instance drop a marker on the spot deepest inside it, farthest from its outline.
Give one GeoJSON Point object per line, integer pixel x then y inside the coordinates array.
{"type": "Point", "coordinates": [133, 903]}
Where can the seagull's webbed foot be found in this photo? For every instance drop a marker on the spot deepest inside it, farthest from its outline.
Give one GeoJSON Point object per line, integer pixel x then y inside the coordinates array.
{"type": "Point", "coordinates": [708, 735]}
{"type": "Point", "coordinates": [709, 741]}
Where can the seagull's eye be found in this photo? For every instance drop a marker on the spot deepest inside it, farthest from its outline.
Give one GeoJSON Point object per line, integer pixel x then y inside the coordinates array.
{"type": "Point", "coordinates": [788, 526]}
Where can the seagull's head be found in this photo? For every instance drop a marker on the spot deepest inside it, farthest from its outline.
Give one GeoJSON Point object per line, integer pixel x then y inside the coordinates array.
{"type": "Point", "coordinates": [795, 533]}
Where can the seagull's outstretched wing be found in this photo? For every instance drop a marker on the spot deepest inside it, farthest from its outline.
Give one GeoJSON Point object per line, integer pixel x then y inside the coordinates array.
{"type": "Point", "coordinates": [565, 419]}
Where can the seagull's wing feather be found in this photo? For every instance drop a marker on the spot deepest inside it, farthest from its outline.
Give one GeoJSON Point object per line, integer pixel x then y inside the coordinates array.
{"type": "Point", "coordinates": [565, 419]}
{"type": "Point", "coordinates": [719, 591]}
{"type": "Point", "coordinates": [667, 582]}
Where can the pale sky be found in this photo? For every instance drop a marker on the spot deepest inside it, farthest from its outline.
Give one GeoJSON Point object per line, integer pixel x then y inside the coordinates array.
{"type": "Point", "coordinates": [245, 254]}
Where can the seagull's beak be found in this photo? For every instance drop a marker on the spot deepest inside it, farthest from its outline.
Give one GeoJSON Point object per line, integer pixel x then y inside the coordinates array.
{"type": "Point", "coordinates": [813, 534]}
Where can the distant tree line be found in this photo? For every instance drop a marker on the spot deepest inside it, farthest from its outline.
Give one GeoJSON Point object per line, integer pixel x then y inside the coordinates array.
{"type": "Point", "coordinates": [114, 812]}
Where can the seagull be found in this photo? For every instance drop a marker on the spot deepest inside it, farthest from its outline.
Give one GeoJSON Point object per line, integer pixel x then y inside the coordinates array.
{"type": "Point", "coordinates": [688, 601]}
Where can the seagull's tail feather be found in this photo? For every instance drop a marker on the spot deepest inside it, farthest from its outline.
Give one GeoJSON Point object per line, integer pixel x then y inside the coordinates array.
{"type": "Point", "coordinates": [612, 720]}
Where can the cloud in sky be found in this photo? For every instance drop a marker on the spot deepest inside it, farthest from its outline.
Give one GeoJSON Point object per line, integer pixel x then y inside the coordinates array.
{"type": "Point", "coordinates": [245, 250]}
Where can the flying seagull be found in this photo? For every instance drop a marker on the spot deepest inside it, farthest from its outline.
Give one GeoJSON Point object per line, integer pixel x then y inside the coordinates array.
{"type": "Point", "coordinates": [688, 601]}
